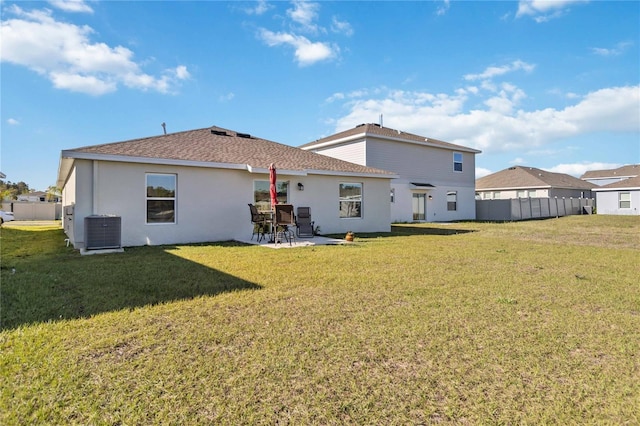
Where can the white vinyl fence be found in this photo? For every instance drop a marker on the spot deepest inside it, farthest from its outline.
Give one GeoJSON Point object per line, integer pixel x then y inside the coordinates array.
{"type": "Point", "coordinates": [28, 210]}
{"type": "Point", "coordinates": [532, 208]}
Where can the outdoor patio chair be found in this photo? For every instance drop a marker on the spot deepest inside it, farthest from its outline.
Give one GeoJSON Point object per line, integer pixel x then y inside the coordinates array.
{"type": "Point", "coordinates": [304, 224]}
{"type": "Point", "coordinates": [260, 222]}
{"type": "Point", "coordinates": [285, 220]}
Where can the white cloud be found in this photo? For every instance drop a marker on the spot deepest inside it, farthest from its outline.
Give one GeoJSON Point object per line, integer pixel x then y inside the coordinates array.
{"type": "Point", "coordinates": [72, 5]}
{"type": "Point", "coordinates": [578, 169]}
{"type": "Point", "coordinates": [306, 51]}
{"type": "Point", "coordinates": [335, 97]}
{"type": "Point", "coordinates": [12, 122]}
{"type": "Point", "coordinates": [182, 73]}
{"type": "Point", "coordinates": [545, 10]}
{"type": "Point", "coordinates": [65, 54]}
{"type": "Point", "coordinates": [260, 8]}
{"type": "Point", "coordinates": [518, 160]}
{"type": "Point", "coordinates": [341, 27]}
{"type": "Point", "coordinates": [617, 50]}
{"type": "Point", "coordinates": [443, 8]}
{"type": "Point", "coordinates": [304, 13]}
{"type": "Point", "coordinates": [497, 128]}
{"type": "Point", "coordinates": [482, 172]}
{"type": "Point", "coordinates": [491, 72]}
{"type": "Point", "coordinates": [226, 98]}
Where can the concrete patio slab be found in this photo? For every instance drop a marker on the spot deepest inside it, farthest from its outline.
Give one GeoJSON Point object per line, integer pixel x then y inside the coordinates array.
{"type": "Point", "coordinates": [298, 242]}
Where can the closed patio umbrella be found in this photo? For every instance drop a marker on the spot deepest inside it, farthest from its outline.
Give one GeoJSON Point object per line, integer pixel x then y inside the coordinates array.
{"type": "Point", "coordinates": [272, 185]}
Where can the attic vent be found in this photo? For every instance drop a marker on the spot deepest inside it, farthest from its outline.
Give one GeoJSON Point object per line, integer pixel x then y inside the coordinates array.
{"type": "Point", "coordinates": [219, 132]}
{"type": "Point", "coordinates": [360, 125]}
{"type": "Point", "coordinates": [512, 168]}
{"type": "Point", "coordinates": [243, 135]}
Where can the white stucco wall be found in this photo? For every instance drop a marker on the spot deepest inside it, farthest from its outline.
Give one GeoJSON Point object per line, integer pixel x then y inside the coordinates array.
{"type": "Point", "coordinates": [436, 207]}
{"type": "Point", "coordinates": [211, 204]}
{"type": "Point", "coordinates": [607, 202]}
{"type": "Point", "coordinates": [416, 163]}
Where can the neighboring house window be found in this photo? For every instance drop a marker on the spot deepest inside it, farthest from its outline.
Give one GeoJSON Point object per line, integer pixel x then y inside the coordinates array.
{"type": "Point", "coordinates": [457, 161]}
{"type": "Point", "coordinates": [532, 194]}
{"type": "Point", "coordinates": [262, 195]}
{"type": "Point", "coordinates": [522, 194]}
{"type": "Point", "coordinates": [419, 202]}
{"type": "Point", "coordinates": [393, 195]}
{"type": "Point", "coordinates": [161, 198]}
{"type": "Point", "coordinates": [452, 201]}
{"type": "Point", "coordinates": [350, 200]}
{"type": "Point", "coordinates": [624, 200]}
{"type": "Point", "coordinates": [496, 195]}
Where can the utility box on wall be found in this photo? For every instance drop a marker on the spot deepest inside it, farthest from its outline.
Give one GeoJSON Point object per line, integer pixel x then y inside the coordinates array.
{"type": "Point", "coordinates": [102, 232]}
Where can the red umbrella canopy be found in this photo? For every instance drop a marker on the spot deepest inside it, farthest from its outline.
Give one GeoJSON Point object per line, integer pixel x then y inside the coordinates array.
{"type": "Point", "coordinates": [272, 185]}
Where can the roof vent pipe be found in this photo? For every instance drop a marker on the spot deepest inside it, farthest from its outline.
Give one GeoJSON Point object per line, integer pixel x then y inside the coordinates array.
{"type": "Point", "coordinates": [164, 128]}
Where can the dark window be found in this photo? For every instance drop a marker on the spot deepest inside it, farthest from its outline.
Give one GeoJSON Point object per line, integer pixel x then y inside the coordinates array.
{"type": "Point", "coordinates": [350, 200]}
{"type": "Point", "coordinates": [452, 201]}
{"type": "Point", "coordinates": [161, 198]}
{"type": "Point", "coordinates": [457, 162]}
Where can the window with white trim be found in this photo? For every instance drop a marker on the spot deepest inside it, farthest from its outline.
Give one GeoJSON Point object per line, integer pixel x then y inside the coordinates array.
{"type": "Point", "coordinates": [624, 200]}
{"type": "Point", "coordinates": [262, 194]}
{"type": "Point", "coordinates": [452, 201]}
{"type": "Point", "coordinates": [161, 198]}
{"type": "Point", "coordinates": [457, 162]}
{"type": "Point", "coordinates": [350, 200]}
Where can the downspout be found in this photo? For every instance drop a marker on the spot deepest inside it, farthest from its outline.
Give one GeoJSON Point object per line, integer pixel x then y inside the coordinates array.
{"type": "Point", "coordinates": [94, 188]}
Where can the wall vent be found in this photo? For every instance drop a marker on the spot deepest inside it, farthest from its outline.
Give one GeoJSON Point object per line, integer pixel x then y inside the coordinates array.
{"type": "Point", "coordinates": [102, 232]}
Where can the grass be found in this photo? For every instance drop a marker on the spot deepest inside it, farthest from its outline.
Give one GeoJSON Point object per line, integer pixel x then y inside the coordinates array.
{"type": "Point", "coordinates": [516, 323]}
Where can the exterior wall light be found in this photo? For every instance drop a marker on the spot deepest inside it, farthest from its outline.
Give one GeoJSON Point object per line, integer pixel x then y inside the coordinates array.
{"type": "Point", "coordinates": [300, 186]}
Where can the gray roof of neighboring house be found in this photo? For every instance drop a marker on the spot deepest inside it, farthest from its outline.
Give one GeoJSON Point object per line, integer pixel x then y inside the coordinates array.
{"type": "Point", "coordinates": [364, 130]}
{"type": "Point", "coordinates": [624, 171]}
{"type": "Point", "coordinates": [530, 177]}
{"type": "Point", "coordinates": [218, 147]}
{"type": "Point", "coordinates": [633, 182]}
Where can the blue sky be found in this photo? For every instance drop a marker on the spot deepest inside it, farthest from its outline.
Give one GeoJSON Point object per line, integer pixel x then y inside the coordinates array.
{"type": "Point", "coordinates": [548, 84]}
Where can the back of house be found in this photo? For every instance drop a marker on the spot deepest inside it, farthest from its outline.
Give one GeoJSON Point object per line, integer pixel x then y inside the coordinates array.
{"type": "Point", "coordinates": [435, 179]}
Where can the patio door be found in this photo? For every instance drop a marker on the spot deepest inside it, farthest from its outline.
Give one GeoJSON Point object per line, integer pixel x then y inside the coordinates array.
{"type": "Point", "coordinates": [419, 206]}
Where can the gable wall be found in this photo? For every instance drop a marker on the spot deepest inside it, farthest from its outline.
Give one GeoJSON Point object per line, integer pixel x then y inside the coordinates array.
{"type": "Point", "coordinates": [419, 162]}
{"type": "Point", "coordinates": [354, 152]}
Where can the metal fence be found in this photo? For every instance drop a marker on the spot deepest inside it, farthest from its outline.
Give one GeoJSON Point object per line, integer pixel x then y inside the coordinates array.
{"type": "Point", "coordinates": [531, 208]}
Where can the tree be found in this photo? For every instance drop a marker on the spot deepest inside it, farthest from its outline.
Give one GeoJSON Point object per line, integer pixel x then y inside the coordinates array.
{"type": "Point", "coordinates": [10, 190]}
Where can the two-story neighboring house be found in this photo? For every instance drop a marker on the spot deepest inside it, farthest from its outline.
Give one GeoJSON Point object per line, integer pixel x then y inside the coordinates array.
{"type": "Point", "coordinates": [436, 179]}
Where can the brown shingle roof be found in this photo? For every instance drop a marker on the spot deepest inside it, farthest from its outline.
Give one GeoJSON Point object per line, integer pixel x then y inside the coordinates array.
{"type": "Point", "coordinates": [633, 182]}
{"type": "Point", "coordinates": [530, 177]}
{"type": "Point", "coordinates": [624, 171]}
{"type": "Point", "coordinates": [385, 132]}
{"type": "Point", "coordinates": [218, 145]}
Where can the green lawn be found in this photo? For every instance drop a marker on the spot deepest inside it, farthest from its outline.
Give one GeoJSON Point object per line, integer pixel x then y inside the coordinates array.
{"type": "Point", "coordinates": [469, 323]}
